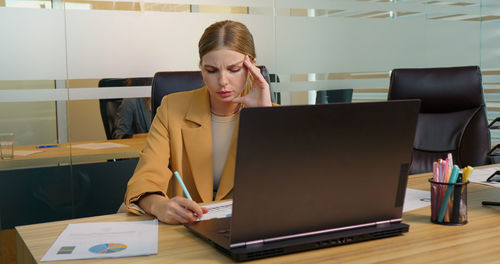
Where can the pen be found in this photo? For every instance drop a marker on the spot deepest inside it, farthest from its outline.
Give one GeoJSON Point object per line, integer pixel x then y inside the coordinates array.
{"type": "Point", "coordinates": [47, 146]}
{"type": "Point", "coordinates": [182, 185]}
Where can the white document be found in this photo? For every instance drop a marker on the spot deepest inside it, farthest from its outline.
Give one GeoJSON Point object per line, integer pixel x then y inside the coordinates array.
{"type": "Point", "coordinates": [25, 152]}
{"type": "Point", "coordinates": [105, 240]}
{"type": "Point", "coordinates": [218, 210]}
{"type": "Point", "coordinates": [480, 176]}
{"type": "Point", "coordinates": [415, 199]}
{"type": "Point", "coordinates": [97, 146]}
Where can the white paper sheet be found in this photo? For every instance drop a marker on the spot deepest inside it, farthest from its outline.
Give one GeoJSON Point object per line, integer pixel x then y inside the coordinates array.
{"type": "Point", "coordinates": [25, 152]}
{"type": "Point", "coordinates": [218, 210]}
{"type": "Point", "coordinates": [480, 176]}
{"type": "Point", "coordinates": [105, 240]}
{"type": "Point", "coordinates": [416, 199]}
{"type": "Point", "coordinates": [97, 146]}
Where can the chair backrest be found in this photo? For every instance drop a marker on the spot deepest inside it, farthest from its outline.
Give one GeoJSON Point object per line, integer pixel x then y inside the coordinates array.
{"type": "Point", "coordinates": [109, 107]}
{"type": "Point", "coordinates": [165, 83]}
{"type": "Point", "coordinates": [334, 96]}
{"type": "Point", "coordinates": [452, 116]}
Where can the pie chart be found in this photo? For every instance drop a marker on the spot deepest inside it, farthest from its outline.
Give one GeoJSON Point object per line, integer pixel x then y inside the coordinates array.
{"type": "Point", "coordinates": [107, 248]}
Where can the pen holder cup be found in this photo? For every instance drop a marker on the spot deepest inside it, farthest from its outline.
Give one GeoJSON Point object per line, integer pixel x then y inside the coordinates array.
{"type": "Point", "coordinates": [453, 196]}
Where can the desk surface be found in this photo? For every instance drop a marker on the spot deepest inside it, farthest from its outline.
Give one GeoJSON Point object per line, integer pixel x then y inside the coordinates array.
{"type": "Point", "coordinates": [476, 242]}
{"type": "Point", "coordinates": [66, 153]}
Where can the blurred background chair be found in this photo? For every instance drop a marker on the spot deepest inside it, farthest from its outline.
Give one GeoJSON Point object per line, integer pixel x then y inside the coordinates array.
{"type": "Point", "coordinates": [334, 96]}
{"type": "Point", "coordinates": [109, 107]}
{"type": "Point", "coordinates": [165, 83]}
{"type": "Point", "coordinates": [452, 116]}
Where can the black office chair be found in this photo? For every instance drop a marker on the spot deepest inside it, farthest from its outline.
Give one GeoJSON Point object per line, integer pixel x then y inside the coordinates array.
{"type": "Point", "coordinates": [109, 107]}
{"type": "Point", "coordinates": [452, 117]}
{"type": "Point", "coordinates": [334, 96]}
{"type": "Point", "coordinates": [165, 83]}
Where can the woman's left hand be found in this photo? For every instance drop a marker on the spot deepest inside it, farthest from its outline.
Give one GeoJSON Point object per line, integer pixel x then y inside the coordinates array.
{"type": "Point", "coordinates": [260, 94]}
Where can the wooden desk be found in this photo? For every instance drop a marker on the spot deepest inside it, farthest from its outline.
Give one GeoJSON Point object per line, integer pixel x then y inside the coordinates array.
{"type": "Point", "coordinates": [66, 154]}
{"type": "Point", "coordinates": [476, 242]}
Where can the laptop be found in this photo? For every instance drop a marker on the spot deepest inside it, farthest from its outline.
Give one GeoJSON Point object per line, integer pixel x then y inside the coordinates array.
{"type": "Point", "coordinates": [316, 176]}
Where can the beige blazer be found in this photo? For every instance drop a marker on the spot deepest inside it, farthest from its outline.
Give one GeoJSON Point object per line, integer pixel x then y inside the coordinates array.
{"type": "Point", "coordinates": [180, 139]}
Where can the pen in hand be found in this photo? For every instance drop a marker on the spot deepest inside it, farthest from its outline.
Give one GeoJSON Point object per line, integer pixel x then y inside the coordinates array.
{"type": "Point", "coordinates": [184, 189]}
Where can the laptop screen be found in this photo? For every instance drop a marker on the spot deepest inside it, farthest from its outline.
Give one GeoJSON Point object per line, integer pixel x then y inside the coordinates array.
{"type": "Point", "coordinates": [308, 168]}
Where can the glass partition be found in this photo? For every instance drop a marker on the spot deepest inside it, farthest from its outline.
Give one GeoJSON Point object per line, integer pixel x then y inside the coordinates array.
{"type": "Point", "coordinates": [324, 45]}
{"type": "Point", "coordinates": [54, 54]}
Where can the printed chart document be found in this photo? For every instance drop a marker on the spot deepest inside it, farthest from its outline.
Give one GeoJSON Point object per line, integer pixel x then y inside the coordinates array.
{"type": "Point", "coordinates": [415, 199]}
{"type": "Point", "coordinates": [105, 240]}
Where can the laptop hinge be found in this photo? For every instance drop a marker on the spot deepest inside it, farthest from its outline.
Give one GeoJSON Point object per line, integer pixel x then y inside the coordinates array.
{"type": "Point", "coordinates": [261, 241]}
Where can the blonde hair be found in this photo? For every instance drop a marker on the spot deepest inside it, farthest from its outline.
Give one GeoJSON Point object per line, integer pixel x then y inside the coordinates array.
{"type": "Point", "coordinates": [228, 34]}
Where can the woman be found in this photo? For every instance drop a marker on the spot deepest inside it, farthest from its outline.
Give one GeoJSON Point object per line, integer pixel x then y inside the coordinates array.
{"type": "Point", "coordinates": [192, 132]}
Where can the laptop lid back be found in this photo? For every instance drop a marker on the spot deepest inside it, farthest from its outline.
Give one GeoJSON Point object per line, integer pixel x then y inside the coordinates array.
{"type": "Point", "coordinates": [309, 168]}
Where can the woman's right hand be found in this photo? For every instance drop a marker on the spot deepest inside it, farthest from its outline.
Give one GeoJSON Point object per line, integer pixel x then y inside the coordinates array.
{"type": "Point", "coordinates": [177, 210]}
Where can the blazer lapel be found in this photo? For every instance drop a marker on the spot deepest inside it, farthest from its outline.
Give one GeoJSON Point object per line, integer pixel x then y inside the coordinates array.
{"type": "Point", "coordinates": [198, 143]}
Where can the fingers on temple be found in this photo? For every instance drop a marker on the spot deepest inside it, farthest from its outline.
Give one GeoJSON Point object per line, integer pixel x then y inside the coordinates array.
{"type": "Point", "coordinates": [254, 70]}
